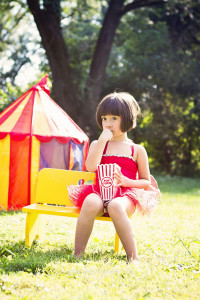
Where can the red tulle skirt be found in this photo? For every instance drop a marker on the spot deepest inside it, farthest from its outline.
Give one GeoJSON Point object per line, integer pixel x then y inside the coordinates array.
{"type": "Point", "coordinates": [145, 201]}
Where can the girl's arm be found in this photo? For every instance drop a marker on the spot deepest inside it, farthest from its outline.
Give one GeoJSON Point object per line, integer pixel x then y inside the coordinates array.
{"type": "Point", "coordinates": [143, 170]}
{"type": "Point", "coordinates": [96, 150]}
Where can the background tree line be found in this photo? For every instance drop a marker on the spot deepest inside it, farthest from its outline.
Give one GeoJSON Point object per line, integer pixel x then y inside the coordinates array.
{"type": "Point", "coordinates": [148, 48]}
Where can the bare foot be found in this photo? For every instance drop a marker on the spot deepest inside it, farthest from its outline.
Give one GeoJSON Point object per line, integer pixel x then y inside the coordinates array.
{"type": "Point", "coordinates": [79, 255]}
{"type": "Point", "coordinates": [134, 261]}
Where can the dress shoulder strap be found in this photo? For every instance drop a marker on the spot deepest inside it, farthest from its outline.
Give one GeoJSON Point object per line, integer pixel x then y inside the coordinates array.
{"type": "Point", "coordinates": [106, 146]}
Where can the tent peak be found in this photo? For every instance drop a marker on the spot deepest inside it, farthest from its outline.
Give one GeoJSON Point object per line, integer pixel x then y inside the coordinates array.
{"type": "Point", "coordinates": [42, 84]}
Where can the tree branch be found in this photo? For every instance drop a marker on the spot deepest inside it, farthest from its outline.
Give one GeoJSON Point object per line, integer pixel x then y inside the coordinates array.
{"type": "Point", "coordinates": [141, 3]}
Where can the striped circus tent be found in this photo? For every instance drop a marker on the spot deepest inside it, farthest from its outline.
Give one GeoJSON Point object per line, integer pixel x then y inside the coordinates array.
{"type": "Point", "coordinates": [35, 133]}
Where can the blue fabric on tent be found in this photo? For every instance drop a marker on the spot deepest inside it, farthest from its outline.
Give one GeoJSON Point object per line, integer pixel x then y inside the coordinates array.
{"type": "Point", "coordinates": [78, 150]}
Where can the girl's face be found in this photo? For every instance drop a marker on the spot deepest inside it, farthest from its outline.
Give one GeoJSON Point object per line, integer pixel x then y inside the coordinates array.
{"type": "Point", "coordinates": [113, 123]}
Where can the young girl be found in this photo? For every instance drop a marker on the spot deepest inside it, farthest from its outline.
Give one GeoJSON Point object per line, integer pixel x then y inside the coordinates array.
{"type": "Point", "coordinates": [116, 115]}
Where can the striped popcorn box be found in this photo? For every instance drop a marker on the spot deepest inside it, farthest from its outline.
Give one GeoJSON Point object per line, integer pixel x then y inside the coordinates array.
{"type": "Point", "coordinates": [106, 180]}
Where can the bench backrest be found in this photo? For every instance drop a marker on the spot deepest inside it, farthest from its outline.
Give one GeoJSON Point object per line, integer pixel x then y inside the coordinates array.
{"type": "Point", "coordinates": [52, 185]}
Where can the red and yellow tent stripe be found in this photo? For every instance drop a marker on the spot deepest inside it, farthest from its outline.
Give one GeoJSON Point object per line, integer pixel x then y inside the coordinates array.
{"type": "Point", "coordinates": [34, 133]}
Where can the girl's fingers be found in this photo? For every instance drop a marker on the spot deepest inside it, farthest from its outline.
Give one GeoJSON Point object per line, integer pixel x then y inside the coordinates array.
{"type": "Point", "coordinates": [117, 178]}
{"type": "Point", "coordinates": [118, 173]}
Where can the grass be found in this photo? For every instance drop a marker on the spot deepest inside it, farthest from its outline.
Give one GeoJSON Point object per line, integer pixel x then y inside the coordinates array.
{"type": "Point", "coordinates": [168, 244]}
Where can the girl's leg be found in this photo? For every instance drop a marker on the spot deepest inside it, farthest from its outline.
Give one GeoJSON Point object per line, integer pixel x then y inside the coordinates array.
{"type": "Point", "coordinates": [119, 210]}
{"type": "Point", "coordinates": [92, 206]}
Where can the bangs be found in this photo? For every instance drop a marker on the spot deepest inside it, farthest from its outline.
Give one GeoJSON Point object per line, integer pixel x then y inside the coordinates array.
{"type": "Point", "coordinates": [110, 107]}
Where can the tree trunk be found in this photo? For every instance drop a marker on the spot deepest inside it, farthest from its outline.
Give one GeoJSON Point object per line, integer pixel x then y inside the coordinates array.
{"type": "Point", "coordinates": [64, 90]}
{"type": "Point", "coordinates": [99, 63]}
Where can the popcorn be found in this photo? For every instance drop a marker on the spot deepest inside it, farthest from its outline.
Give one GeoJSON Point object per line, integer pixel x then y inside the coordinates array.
{"type": "Point", "coordinates": [106, 180]}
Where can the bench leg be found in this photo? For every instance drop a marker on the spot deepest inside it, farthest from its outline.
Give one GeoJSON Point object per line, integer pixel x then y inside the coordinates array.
{"type": "Point", "coordinates": [34, 228]}
{"type": "Point", "coordinates": [117, 243]}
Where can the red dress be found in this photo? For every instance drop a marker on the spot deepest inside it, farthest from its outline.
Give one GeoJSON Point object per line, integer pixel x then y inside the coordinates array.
{"type": "Point", "coordinates": [145, 201]}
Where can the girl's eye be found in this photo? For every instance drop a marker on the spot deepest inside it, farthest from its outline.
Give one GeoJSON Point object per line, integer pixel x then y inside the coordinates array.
{"type": "Point", "coordinates": [114, 118]}
{"type": "Point", "coordinates": [103, 118]}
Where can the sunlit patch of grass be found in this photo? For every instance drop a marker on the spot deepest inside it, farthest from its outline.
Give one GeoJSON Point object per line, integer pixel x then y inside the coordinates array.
{"type": "Point", "coordinates": [168, 245]}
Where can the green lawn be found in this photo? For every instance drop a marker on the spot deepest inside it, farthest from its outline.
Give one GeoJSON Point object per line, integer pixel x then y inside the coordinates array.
{"type": "Point", "coordinates": [168, 244]}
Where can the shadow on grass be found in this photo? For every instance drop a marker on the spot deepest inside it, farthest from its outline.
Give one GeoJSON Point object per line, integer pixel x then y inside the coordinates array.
{"type": "Point", "coordinates": [17, 257]}
{"type": "Point", "coordinates": [10, 212]}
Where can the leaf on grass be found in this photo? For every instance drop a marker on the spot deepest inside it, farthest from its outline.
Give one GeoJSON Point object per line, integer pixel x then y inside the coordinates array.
{"type": "Point", "coordinates": [195, 241]}
{"type": "Point", "coordinates": [184, 245]}
{"type": "Point", "coordinates": [7, 251]}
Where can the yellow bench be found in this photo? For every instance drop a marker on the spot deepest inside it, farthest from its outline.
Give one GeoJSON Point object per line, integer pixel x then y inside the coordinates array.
{"type": "Point", "coordinates": [52, 199]}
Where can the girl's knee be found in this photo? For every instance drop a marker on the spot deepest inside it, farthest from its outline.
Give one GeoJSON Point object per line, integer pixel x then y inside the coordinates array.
{"type": "Point", "coordinates": [92, 204]}
{"type": "Point", "coordinates": [119, 206]}
{"type": "Point", "coordinates": [115, 207]}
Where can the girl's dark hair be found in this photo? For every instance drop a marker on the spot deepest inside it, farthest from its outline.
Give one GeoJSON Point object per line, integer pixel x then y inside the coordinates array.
{"type": "Point", "coordinates": [119, 104]}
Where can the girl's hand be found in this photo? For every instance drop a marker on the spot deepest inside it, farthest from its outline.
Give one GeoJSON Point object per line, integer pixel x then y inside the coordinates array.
{"type": "Point", "coordinates": [106, 135]}
{"type": "Point", "coordinates": [120, 179]}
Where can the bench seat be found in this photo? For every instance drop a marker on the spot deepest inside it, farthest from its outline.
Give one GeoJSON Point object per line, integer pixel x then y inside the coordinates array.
{"type": "Point", "coordinates": [65, 211]}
